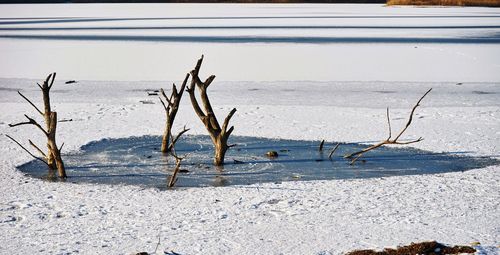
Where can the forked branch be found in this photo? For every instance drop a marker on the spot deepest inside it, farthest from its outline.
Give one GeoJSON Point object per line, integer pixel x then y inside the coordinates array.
{"type": "Point", "coordinates": [173, 178]}
{"type": "Point", "coordinates": [171, 106]}
{"type": "Point", "coordinates": [356, 155]}
{"type": "Point", "coordinates": [178, 160]}
{"type": "Point", "coordinates": [30, 122]}
{"type": "Point", "coordinates": [218, 134]}
{"type": "Point", "coordinates": [174, 139]}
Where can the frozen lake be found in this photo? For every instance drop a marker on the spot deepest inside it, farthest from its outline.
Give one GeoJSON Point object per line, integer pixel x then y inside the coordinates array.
{"type": "Point", "coordinates": [138, 161]}
{"type": "Point", "coordinates": [295, 73]}
{"type": "Point", "coordinates": [251, 42]}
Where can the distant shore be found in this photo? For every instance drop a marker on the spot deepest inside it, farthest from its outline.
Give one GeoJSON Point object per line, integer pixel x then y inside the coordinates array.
{"type": "Point", "coordinates": [185, 1]}
{"type": "Point", "coordinates": [487, 3]}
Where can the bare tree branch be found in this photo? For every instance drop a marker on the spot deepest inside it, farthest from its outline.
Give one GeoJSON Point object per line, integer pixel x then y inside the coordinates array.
{"type": "Point", "coordinates": [194, 101]}
{"type": "Point", "coordinates": [389, 124]}
{"type": "Point", "coordinates": [173, 177]}
{"type": "Point", "coordinates": [178, 160]}
{"type": "Point", "coordinates": [356, 155]}
{"type": "Point", "coordinates": [167, 109]}
{"type": "Point", "coordinates": [26, 150]}
{"type": "Point", "coordinates": [37, 148]}
{"type": "Point", "coordinates": [227, 119]}
{"type": "Point", "coordinates": [333, 150]}
{"type": "Point", "coordinates": [31, 103]}
{"type": "Point", "coordinates": [171, 111]}
{"type": "Point", "coordinates": [166, 97]}
{"type": "Point", "coordinates": [174, 140]}
{"type": "Point", "coordinates": [411, 115]}
{"type": "Point", "coordinates": [30, 122]}
{"type": "Point", "coordinates": [321, 145]}
{"type": "Point", "coordinates": [53, 75]}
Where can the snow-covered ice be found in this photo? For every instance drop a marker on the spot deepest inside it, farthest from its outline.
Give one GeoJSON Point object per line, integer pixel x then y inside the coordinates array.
{"type": "Point", "coordinates": [302, 90]}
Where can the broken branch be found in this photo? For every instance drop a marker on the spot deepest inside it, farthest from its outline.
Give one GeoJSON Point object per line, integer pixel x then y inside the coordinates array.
{"type": "Point", "coordinates": [356, 155]}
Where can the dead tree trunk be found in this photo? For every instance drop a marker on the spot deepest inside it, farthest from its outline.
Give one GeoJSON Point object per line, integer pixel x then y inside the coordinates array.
{"type": "Point", "coordinates": [356, 155]}
{"type": "Point", "coordinates": [53, 157]}
{"type": "Point", "coordinates": [218, 134]}
{"type": "Point", "coordinates": [171, 107]}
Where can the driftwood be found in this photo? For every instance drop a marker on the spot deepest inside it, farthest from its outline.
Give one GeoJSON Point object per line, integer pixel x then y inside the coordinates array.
{"type": "Point", "coordinates": [356, 155]}
{"type": "Point", "coordinates": [53, 157]}
{"type": "Point", "coordinates": [171, 106]}
{"type": "Point", "coordinates": [218, 134]}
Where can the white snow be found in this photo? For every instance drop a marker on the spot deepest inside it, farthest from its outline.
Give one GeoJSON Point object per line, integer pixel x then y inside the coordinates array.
{"type": "Point", "coordinates": [291, 90]}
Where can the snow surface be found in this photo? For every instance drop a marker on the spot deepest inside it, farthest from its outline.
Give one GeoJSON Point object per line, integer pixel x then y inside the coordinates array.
{"type": "Point", "coordinates": [342, 101]}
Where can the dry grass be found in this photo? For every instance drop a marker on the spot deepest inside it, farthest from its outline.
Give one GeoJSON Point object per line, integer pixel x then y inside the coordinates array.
{"type": "Point", "coordinates": [490, 3]}
{"type": "Point", "coordinates": [425, 248]}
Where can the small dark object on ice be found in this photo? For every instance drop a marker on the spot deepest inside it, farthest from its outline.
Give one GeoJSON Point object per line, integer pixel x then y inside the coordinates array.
{"type": "Point", "coordinates": [238, 161]}
{"type": "Point", "coordinates": [152, 93]}
{"type": "Point", "coordinates": [321, 145]}
{"type": "Point", "coordinates": [147, 102]}
{"type": "Point", "coordinates": [272, 154]}
{"type": "Point", "coordinates": [171, 253]}
{"type": "Point", "coordinates": [425, 248]}
{"type": "Point", "coordinates": [141, 253]}
{"type": "Point", "coordinates": [183, 171]}
{"type": "Point", "coordinates": [70, 82]}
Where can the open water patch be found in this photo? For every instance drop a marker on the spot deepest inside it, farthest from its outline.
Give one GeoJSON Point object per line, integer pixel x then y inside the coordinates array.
{"type": "Point", "coordinates": [138, 161]}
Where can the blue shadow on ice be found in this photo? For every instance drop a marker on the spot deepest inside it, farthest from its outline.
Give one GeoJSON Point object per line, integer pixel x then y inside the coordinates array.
{"type": "Point", "coordinates": [490, 39]}
{"type": "Point", "coordinates": [138, 161]}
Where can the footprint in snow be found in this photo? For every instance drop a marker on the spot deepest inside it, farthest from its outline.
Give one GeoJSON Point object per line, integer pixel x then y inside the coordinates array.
{"type": "Point", "coordinates": [9, 219]}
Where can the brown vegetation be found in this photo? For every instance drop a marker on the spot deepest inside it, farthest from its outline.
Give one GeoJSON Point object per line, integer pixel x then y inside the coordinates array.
{"type": "Point", "coordinates": [425, 248]}
{"type": "Point", "coordinates": [490, 3]}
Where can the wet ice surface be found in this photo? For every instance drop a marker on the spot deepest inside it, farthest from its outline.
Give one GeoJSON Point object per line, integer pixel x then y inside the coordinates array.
{"type": "Point", "coordinates": [138, 161]}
